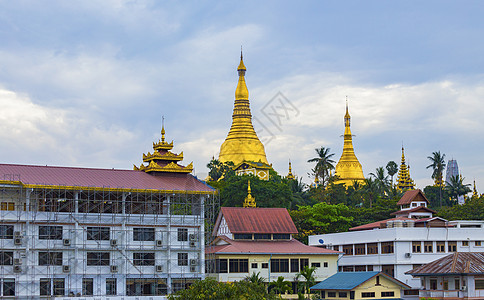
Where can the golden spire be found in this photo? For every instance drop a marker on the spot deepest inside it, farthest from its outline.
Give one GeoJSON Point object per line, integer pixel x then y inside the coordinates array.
{"type": "Point", "coordinates": [290, 175]}
{"type": "Point", "coordinates": [404, 182]}
{"type": "Point", "coordinates": [475, 195]}
{"type": "Point", "coordinates": [348, 168]}
{"type": "Point", "coordinates": [249, 200]}
{"type": "Point", "coordinates": [242, 143]}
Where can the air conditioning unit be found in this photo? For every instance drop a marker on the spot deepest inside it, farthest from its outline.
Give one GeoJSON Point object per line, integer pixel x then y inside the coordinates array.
{"type": "Point", "coordinates": [408, 255]}
{"type": "Point", "coordinates": [192, 237]}
{"type": "Point", "coordinates": [17, 269]}
{"type": "Point", "coordinates": [159, 268]}
{"type": "Point", "coordinates": [66, 242]}
{"type": "Point", "coordinates": [113, 243]}
{"type": "Point", "coordinates": [193, 244]}
{"type": "Point", "coordinates": [193, 268]}
{"type": "Point", "coordinates": [463, 288]}
{"type": "Point", "coordinates": [159, 243]}
{"type": "Point", "coordinates": [113, 269]}
{"type": "Point", "coordinates": [17, 234]}
{"type": "Point", "coordinates": [17, 261]}
{"type": "Point", "coordinates": [17, 240]}
{"type": "Point", "coordinates": [193, 262]}
{"type": "Point", "coordinates": [66, 269]}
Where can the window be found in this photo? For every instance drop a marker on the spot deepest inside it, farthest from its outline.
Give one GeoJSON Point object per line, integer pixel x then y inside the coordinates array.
{"type": "Point", "coordinates": [360, 268]}
{"type": "Point", "coordinates": [6, 258]}
{"type": "Point", "coordinates": [143, 234]}
{"type": "Point", "coordinates": [465, 243]}
{"type": "Point", "coordinates": [325, 264]}
{"type": "Point", "coordinates": [433, 284]}
{"type": "Point", "coordinates": [456, 284]}
{"type": "Point", "coordinates": [386, 247]}
{"type": "Point", "coordinates": [316, 265]}
{"type": "Point", "coordinates": [111, 286]}
{"type": "Point", "coordinates": [440, 246]}
{"type": "Point", "coordinates": [98, 233]}
{"type": "Point", "coordinates": [265, 265]}
{"type": "Point", "coordinates": [144, 259]}
{"type": "Point", "coordinates": [303, 262]}
{"type": "Point", "coordinates": [238, 265]}
{"type": "Point", "coordinates": [388, 269]}
{"type": "Point", "coordinates": [372, 248]}
{"type": "Point", "coordinates": [294, 265]}
{"type": "Point", "coordinates": [182, 234]}
{"type": "Point", "coordinates": [331, 294]}
{"type": "Point", "coordinates": [368, 295]}
{"type": "Point", "coordinates": [428, 247]}
{"type": "Point", "coordinates": [369, 268]}
{"type": "Point", "coordinates": [414, 204]}
{"type": "Point", "coordinates": [242, 236]}
{"type": "Point", "coordinates": [377, 280]}
{"type": "Point", "coordinates": [98, 258]}
{"type": "Point", "coordinates": [183, 259]}
{"type": "Point", "coordinates": [8, 287]}
{"type": "Point", "coordinates": [254, 266]}
{"type": "Point", "coordinates": [343, 294]}
{"type": "Point", "coordinates": [221, 266]}
{"type": "Point", "coordinates": [336, 248]}
{"type": "Point", "coordinates": [59, 287]}
{"type": "Point", "coordinates": [262, 236]}
{"type": "Point", "coordinates": [6, 231]}
{"type": "Point", "coordinates": [87, 286]}
{"type": "Point", "coordinates": [281, 236]}
{"type": "Point", "coordinates": [416, 247]}
{"type": "Point", "coordinates": [445, 284]}
{"type": "Point", "coordinates": [348, 268]}
{"type": "Point", "coordinates": [348, 249]}
{"type": "Point", "coordinates": [387, 294]}
{"type": "Point", "coordinates": [452, 246]}
{"type": "Point", "coordinates": [148, 287]}
{"type": "Point", "coordinates": [45, 287]}
{"type": "Point", "coordinates": [410, 292]}
{"type": "Point", "coordinates": [50, 258]}
{"type": "Point", "coordinates": [50, 232]}
{"type": "Point", "coordinates": [360, 249]}
{"type": "Point", "coordinates": [477, 243]}
{"type": "Point", "coordinates": [479, 283]}
{"type": "Point", "coordinates": [7, 206]}
{"type": "Point", "coordinates": [280, 265]}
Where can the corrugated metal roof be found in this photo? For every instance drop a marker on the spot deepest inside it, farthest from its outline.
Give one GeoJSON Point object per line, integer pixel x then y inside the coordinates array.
{"type": "Point", "coordinates": [265, 247]}
{"type": "Point", "coordinates": [100, 178]}
{"type": "Point", "coordinates": [377, 224]}
{"type": "Point", "coordinates": [456, 263]}
{"type": "Point", "coordinates": [415, 209]}
{"type": "Point", "coordinates": [350, 280]}
{"type": "Point", "coordinates": [411, 195]}
{"type": "Point", "coordinates": [256, 220]}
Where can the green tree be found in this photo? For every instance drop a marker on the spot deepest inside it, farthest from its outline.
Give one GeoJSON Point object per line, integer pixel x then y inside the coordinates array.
{"type": "Point", "coordinates": [307, 273]}
{"type": "Point", "coordinates": [456, 187]}
{"type": "Point", "coordinates": [381, 210]}
{"type": "Point", "coordinates": [472, 209]}
{"type": "Point", "coordinates": [217, 169]}
{"type": "Point", "coordinates": [371, 190]}
{"type": "Point", "coordinates": [324, 164]}
{"type": "Point", "coordinates": [255, 278]}
{"type": "Point", "coordinates": [392, 169]}
{"type": "Point", "coordinates": [433, 194]}
{"type": "Point", "coordinates": [437, 163]}
{"type": "Point", "coordinates": [381, 181]}
{"type": "Point", "coordinates": [281, 286]}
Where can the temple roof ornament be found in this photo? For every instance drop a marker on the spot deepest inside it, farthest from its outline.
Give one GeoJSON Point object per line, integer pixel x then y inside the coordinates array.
{"type": "Point", "coordinates": [404, 182]}
{"type": "Point", "coordinates": [162, 159]}
{"type": "Point", "coordinates": [242, 143]}
{"type": "Point", "coordinates": [475, 194]}
{"type": "Point", "coordinates": [348, 168]}
{"type": "Point", "coordinates": [290, 175]}
{"type": "Point", "coordinates": [249, 200]}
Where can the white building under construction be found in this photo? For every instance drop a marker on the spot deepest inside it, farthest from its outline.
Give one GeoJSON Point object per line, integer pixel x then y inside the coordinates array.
{"type": "Point", "coordinates": [104, 233]}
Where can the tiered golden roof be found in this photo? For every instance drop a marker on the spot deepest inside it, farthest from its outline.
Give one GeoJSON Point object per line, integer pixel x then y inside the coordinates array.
{"type": "Point", "coordinates": [249, 200]}
{"type": "Point", "coordinates": [404, 182]}
{"type": "Point", "coordinates": [242, 143]}
{"type": "Point", "coordinates": [290, 175]}
{"type": "Point", "coordinates": [162, 159]}
{"type": "Point", "coordinates": [348, 168]}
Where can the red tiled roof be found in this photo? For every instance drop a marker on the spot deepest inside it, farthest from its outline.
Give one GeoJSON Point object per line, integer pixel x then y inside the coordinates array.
{"type": "Point", "coordinates": [456, 263]}
{"type": "Point", "coordinates": [410, 195]}
{"type": "Point", "coordinates": [418, 208]}
{"type": "Point", "coordinates": [265, 247]}
{"type": "Point", "coordinates": [100, 178]}
{"type": "Point", "coordinates": [377, 224]}
{"type": "Point", "coordinates": [256, 220]}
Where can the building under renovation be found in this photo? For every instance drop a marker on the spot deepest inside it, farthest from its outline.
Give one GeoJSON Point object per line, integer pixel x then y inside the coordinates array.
{"type": "Point", "coordinates": [105, 233]}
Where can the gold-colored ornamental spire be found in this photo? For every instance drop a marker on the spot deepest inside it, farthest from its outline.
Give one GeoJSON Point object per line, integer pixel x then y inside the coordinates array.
{"type": "Point", "coordinates": [404, 182]}
{"type": "Point", "coordinates": [290, 175]}
{"type": "Point", "coordinates": [242, 143]}
{"type": "Point", "coordinates": [249, 200]}
{"type": "Point", "coordinates": [475, 195]}
{"type": "Point", "coordinates": [348, 168]}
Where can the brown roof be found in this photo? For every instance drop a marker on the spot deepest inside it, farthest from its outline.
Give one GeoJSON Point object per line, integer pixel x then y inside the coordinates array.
{"type": "Point", "coordinates": [256, 220]}
{"type": "Point", "coordinates": [456, 263]}
{"type": "Point", "coordinates": [418, 208]}
{"type": "Point", "coordinates": [69, 177]}
{"type": "Point", "coordinates": [412, 195]}
{"type": "Point", "coordinates": [264, 247]}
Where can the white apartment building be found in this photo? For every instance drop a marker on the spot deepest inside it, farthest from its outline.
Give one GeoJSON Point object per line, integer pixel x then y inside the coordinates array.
{"type": "Point", "coordinates": [398, 245]}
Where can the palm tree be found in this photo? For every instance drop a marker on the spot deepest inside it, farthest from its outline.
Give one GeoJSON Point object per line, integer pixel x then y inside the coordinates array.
{"type": "Point", "coordinates": [308, 274]}
{"type": "Point", "coordinates": [281, 286]}
{"type": "Point", "coordinates": [324, 164]}
{"type": "Point", "coordinates": [437, 164]}
{"type": "Point", "coordinates": [392, 169]}
{"type": "Point", "coordinates": [456, 187]}
{"type": "Point", "coordinates": [255, 278]}
{"type": "Point", "coordinates": [371, 189]}
{"type": "Point", "coordinates": [381, 180]}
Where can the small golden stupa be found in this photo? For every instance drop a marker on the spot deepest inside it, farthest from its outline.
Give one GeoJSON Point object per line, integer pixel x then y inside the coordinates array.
{"type": "Point", "coordinates": [404, 182]}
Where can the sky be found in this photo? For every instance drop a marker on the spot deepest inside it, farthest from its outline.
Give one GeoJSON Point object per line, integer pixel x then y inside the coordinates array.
{"type": "Point", "coordinates": [86, 83]}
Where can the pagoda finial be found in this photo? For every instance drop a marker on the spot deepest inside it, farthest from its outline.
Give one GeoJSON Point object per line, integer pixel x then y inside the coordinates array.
{"type": "Point", "coordinates": [249, 200]}
{"type": "Point", "coordinates": [162, 128]}
{"type": "Point", "coordinates": [290, 175]}
{"type": "Point", "coordinates": [475, 195]}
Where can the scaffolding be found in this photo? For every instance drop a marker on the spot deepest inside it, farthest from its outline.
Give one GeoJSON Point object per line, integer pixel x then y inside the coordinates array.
{"type": "Point", "coordinates": [116, 243]}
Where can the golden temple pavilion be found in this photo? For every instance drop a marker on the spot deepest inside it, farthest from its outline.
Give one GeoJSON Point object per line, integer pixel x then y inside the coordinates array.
{"type": "Point", "coordinates": [348, 168]}
{"type": "Point", "coordinates": [404, 182]}
{"type": "Point", "coordinates": [242, 146]}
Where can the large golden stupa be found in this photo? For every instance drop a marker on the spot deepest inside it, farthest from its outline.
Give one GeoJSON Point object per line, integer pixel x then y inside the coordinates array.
{"type": "Point", "coordinates": [348, 168]}
{"type": "Point", "coordinates": [242, 144]}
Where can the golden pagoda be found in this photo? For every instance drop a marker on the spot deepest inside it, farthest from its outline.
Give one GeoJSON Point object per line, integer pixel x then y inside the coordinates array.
{"type": "Point", "coordinates": [249, 200]}
{"type": "Point", "coordinates": [348, 168]}
{"type": "Point", "coordinates": [242, 146]}
{"type": "Point", "coordinates": [290, 175]}
{"type": "Point", "coordinates": [475, 194]}
{"type": "Point", "coordinates": [162, 159]}
{"type": "Point", "coordinates": [404, 182]}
